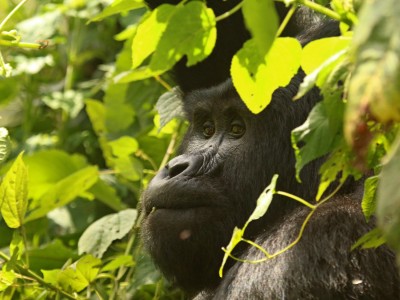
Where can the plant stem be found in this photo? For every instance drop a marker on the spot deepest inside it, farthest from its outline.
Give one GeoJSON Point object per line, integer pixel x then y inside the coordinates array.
{"type": "Point", "coordinates": [24, 45]}
{"type": "Point", "coordinates": [8, 17]}
{"type": "Point", "coordinates": [171, 146]}
{"type": "Point", "coordinates": [36, 277]}
{"type": "Point", "coordinates": [229, 12]}
{"type": "Point", "coordinates": [286, 20]}
{"type": "Point", "coordinates": [321, 9]}
{"type": "Point", "coordinates": [298, 199]}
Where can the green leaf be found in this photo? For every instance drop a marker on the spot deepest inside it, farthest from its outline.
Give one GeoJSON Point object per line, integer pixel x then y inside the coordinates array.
{"type": "Point", "coordinates": [191, 31]}
{"type": "Point", "coordinates": [106, 194]}
{"type": "Point", "coordinates": [118, 7]}
{"type": "Point", "coordinates": [75, 277]}
{"type": "Point", "coordinates": [368, 203]}
{"type": "Point", "coordinates": [51, 276]}
{"type": "Point", "coordinates": [17, 246]}
{"type": "Point", "coordinates": [89, 267]}
{"type": "Point", "coordinates": [235, 239]}
{"type": "Point", "coordinates": [50, 256]}
{"type": "Point", "coordinates": [129, 167]}
{"type": "Point", "coordinates": [388, 204]}
{"type": "Point", "coordinates": [324, 123]}
{"type": "Point", "coordinates": [117, 262]}
{"type": "Point", "coordinates": [124, 146]}
{"type": "Point", "coordinates": [322, 74]}
{"type": "Point", "coordinates": [170, 106]}
{"type": "Point", "coordinates": [256, 80]}
{"type": "Point", "coordinates": [263, 202]}
{"type": "Point", "coordinates": [262, 21]}
{"type": "Point", "coordinates": [136, 75]}
{"type": "Point", "coordinates": [65, 191]}
{"type": "Point", "coordinates": [338, 163]}
{"type": "Point", "coordinates": [14, 194]}
{"type": "Point", "coordinates": [7, 279]}
{"type": "Point", "coordinates": [319, 51]}
{"type": "Point", "coordinates": [149, 33]}
{"type": "Point", "coordinates": [98, 237]}
{"type": "Point", "coordinates": [71, 280]}
{"type": "Point", "coordinates": [97, 114]}
{"type": "Point", "coordinates": [372, 239]}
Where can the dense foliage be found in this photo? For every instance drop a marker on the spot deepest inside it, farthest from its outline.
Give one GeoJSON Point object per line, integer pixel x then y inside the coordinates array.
{"type": "Point", "coordinates": [79, 81]}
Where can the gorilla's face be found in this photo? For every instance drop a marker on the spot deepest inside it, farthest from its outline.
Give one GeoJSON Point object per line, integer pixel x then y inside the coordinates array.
{"type": "Point", "coordinates": [192, 206]}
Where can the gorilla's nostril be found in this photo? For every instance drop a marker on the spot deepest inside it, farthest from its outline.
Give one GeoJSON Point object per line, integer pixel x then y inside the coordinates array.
{"type": "Point", "coordinates": [177, 169]}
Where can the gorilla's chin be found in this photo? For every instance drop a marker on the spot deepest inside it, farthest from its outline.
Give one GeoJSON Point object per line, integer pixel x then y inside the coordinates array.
{"type": "Point", "coordinates": [176, 239]}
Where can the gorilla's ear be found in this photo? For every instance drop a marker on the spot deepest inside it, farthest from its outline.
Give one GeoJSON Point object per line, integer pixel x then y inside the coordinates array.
{"type": "Point", "coordinates": [170, 106]}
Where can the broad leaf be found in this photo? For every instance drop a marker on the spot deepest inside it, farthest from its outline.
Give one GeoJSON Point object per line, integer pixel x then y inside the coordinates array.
{"type": "Point", "coordinates": [65, 191]}
{"type": "Point", "coordinates": [319, 51]}
{"type": "Point", "coordinates": [149, 33]}
{"type": "Point", "coordinates": [256, 77]}
{"type": "Point", "coordinates": [191, 31]}
{"type": "Point", "coordinates": [324, 123]}
{"type": "Point", "coordinates": [170, 106]}
{"type": "Point", "coordinates": [98, 237]}
{"type": "Point", "coordinates": [262, 21]}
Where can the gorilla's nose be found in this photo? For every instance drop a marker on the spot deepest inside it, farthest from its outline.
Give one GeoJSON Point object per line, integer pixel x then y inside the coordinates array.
{"type": "Point", "coordinates": [184, 165]}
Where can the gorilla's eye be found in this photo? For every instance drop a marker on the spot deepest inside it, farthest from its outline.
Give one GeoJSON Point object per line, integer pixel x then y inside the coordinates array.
{"type": "Point", "coordinates": [208, 129]}
{"type": "Point", "coordinates": [237, 129]}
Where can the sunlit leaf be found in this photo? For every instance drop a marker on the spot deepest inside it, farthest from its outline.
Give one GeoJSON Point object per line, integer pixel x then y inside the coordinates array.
{"type": "Point", "coordinates": [124, 146]}
{"type": "Point", "coordinates": [256, 78]}
{"type": "Point", "coordinates": [262, 21]}
{"type": "Point", "coordinates": [64, 191]}
{"type": "Point", "coordinates": [264, 201]}
{"type": "Point", "coordinates": [119, 261]}
{"type": "Point", "coordinates": [14, 194]}
{"type": "Point", "coordinates": [372, 239]}
{"type": "Point", "coordinates": [149, 33]}
{"type": "Point", "coordinates": [118, 7]}
{"type": "Point", "coordinates": [368, 203]}
{"type": "Point", "coordinates": [319, 51]}
{"type": "Point", "coordinates": [191, 31]}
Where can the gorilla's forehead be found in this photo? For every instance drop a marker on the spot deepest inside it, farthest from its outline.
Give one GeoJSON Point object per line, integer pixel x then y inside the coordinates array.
{"type": "Point", "coordinates": [214, 99]}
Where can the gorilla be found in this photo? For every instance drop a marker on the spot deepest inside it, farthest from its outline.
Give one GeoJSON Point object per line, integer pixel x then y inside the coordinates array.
{"type": "Point", "coordinates": [226, 159]}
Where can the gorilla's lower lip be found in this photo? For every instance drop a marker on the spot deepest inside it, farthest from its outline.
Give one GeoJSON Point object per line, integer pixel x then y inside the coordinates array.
{"type": "Point", "coordinates": [182, 208]}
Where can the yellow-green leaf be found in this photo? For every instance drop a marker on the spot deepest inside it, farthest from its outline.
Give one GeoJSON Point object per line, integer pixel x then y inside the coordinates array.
{"type": "Point", "coordinates": [14, 194]}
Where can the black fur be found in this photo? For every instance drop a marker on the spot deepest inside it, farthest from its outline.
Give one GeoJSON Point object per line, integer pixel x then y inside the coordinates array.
{"type": "Point", "coordinates": [192, 205]}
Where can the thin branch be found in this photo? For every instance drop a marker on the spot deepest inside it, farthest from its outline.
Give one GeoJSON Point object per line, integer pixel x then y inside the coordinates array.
{"type": "Point", "coordinates": [8, 17]}
{"type": "Point", "coordinates": [36, 277]}
{"type": "Point", "coordinates": [298, 199]}
{"type": "Point", "coordinates": [286, 20]}
{"type": "Point", "coordinates": [229, 12]}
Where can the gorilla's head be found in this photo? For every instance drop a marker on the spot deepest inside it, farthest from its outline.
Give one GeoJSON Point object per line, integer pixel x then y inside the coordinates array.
{"type": "Point", "coordinates": [227, 157]}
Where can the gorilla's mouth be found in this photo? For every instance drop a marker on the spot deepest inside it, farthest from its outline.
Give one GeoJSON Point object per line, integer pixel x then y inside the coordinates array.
{"type": "Point", "coordinates": [180, 196]}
